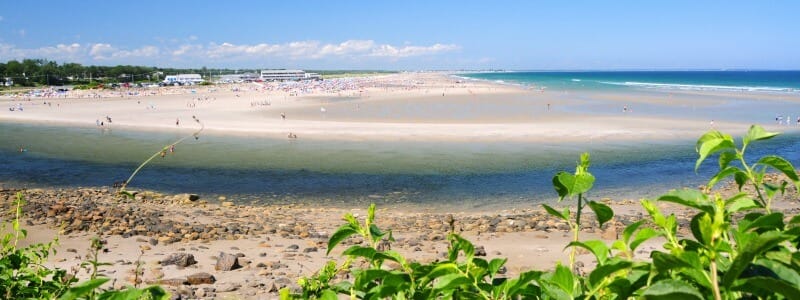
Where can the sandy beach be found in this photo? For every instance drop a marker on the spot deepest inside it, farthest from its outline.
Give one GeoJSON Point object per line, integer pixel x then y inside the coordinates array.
{"type": "Point", "coordinates": [405, 106]}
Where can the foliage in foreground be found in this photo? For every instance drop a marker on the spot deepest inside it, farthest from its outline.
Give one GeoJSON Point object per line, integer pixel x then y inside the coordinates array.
{"type": "Point", "coordinates": [738, 248]}
{"type": "Point", "coordinates": [24, 276]}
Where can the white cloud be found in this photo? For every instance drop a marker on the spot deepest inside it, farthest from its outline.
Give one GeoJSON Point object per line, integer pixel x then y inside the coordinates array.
{"type": "Point", "coordinates": [391, 51]}
{"type": "Point", "coordinates": [224, 52]}
{"type": "Point", "coordinates": [22, 32]}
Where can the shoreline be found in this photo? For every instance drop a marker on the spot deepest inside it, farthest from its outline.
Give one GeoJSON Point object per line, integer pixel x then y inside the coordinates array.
{"type": "Point", "coordinates": [277, 244]}
{"type": "Point", "coordinates": [406, 107]}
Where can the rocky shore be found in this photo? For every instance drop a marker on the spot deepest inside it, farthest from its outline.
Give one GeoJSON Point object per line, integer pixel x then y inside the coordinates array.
{"type": "Point", "coordinates": [209, 248]}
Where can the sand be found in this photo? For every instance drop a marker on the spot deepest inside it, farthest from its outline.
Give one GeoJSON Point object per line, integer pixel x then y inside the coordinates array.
{"type": "Point", "coordinates": [406, 106]}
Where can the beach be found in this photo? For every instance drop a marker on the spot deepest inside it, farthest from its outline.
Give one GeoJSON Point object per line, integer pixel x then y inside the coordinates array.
{"type": "Point", "coordinates": [280, 239]}
{"type": "Point", "coordinates": [406, 106]}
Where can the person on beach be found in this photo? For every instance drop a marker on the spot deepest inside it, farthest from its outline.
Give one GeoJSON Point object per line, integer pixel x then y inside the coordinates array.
{"type": "Point", "coordinates": [177, 121]}
{"type": "Point", "coordinates": [712, 124]}
{"type": "Point", "coordinates": [625, 109]}
{"type": "Point", "coordinates": [283, 116]}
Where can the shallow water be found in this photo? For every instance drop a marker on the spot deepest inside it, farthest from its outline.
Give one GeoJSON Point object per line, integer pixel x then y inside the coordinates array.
{"type": "Point", "coordinates": [449, 175]}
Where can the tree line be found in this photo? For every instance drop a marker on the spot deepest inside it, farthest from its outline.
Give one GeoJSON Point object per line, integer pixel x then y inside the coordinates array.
{"type": "Point", "coordinates": [33, 72]}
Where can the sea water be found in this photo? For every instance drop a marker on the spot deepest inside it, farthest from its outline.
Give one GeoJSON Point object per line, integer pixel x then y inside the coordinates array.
{"type": "Point", "coordinates": [263, 170]}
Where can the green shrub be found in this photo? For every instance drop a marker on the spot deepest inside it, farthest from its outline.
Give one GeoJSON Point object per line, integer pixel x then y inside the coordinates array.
{"type": "Point", "coordinates": [739, 248]}
{"type": "Point", "coordinates": [24, 276]}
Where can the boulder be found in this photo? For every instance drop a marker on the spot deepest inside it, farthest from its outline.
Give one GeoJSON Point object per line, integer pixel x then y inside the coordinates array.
{"type": "Point", "coordinates": [182, 260]}
{"type": "Point", "coordinates": [201, 278]}
{"type": "Point", "coordinates": [227, 262]}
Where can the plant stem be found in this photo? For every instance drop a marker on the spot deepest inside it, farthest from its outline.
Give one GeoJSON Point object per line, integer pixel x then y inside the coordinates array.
{"type": "Point", "coordinates": [17, 215]}
{"type": "Point", "coordinates": [165, 148]}
{"type": "Point", "coordinates": [576, 231]}
{"type": "Point", "coordinates": [714, 280]}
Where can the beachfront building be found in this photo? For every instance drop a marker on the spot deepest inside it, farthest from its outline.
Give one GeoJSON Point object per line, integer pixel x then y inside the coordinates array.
{"type": "Point", "coordinates": [238, 78]}
{"type": "Point", "coordinates": [284, 75]}
{"type": "Point", "coordinates": [183, 79]}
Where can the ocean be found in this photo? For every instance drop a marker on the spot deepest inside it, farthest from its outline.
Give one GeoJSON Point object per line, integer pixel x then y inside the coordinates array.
{"type": "Point", "coordinates": [752, 81]}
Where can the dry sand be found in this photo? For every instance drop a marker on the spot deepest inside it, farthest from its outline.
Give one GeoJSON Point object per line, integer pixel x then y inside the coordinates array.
{"type": "Point", "coordinates": [349, 113]}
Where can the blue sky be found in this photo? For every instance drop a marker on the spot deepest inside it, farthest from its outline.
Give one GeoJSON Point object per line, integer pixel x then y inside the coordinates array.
{"type": "Point", "coordinates": [407, 35]}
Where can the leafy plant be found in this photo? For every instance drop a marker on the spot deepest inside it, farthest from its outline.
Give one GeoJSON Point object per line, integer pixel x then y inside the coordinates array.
{"type": "Point", "coordinates": [577, 185]}
{"type": "Point", "coordinates": [716, 142]}
{"type": "Point", "coordinates": [24, 276]}
{"type": "Point", "coordinates": [738, 249]}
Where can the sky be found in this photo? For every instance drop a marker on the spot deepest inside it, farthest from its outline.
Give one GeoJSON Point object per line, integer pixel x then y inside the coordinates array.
{"type": "Point", "coordinates": [407, 35]}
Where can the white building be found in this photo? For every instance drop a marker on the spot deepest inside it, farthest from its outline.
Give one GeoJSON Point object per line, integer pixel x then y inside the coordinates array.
{"type": "Point", "coordinates": [283, 75]}
{"type": "Point", "coordinates": [183, 79]}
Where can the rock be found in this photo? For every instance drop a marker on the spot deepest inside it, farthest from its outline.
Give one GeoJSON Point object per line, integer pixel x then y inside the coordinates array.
{"type": "Point", "coordinates": [292, 248]}
{"type": "Point", "coordinates": [227, 287]}
{"type": "Point", "coordinates": [174, 281]}
{"type": "Point", "coordinates": [227, 204]}
{"type": "Point", "coordinates": [227, 262]}
{"type": "Point", "coordinates": [182, 260]}
{"type": "Point", "coordinates": [480, 251]}
{"type": "Point", "coordinates": [310, 249]}
{"type": "Point", "coordinates": [200, 278]}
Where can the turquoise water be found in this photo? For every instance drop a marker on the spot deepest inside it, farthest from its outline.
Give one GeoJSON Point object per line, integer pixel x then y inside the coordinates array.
{"type": "Point", "coordinates": [760, 81]}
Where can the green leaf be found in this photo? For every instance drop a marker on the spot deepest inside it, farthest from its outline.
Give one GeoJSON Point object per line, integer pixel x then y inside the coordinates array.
{"type": "Point", "coordinates": [575, 184]}
{"type": "Point", "coordinates": [83, 289]}
{"type": "Point", "coordinates": [722, 174]}
{"type": "Point", "coordinates": [690, 198]}
{"type": "Point", "coordinates": [701, 226]}
{"type": "Point", "coordinates": [671, 289]}
{"type": "Point", "coordinates": [554, 291]}
{"type": "Point", "coordinates": [740, 202]}
{"type": "Point", "coordinates": [598, 248]}
{"type": "Point", "coordinates": [376, 232]}
{"type": "Point", "coordinates": [630, 229]}
{"type": "Point", "coordinates": [564, 278]}
{"type": "Point", "coordinates": [341, 234]}
{"type": "Point", "coordinates": [770, 286]}
{"type": "Point", "coordinates": [450, 281]}
{"type": "Point", "coordinates": [601, 272]}
{"type": "Point", "coordinates": [371, 213]}
{"type": "Point", "coordinates": [642, 236]}
{"type": "Point", "coordinates": [771, 189]}
{"type": "Point", "coordinates": [665, 262]}
{"type": "Point", "coordinates": [523, 280]}
{"type": "Point", "coordinates": [441, 270]}
{"type": "Point", "coordinates": [554, 212]}
{"type": "Point", "coordinates": [725, 159]}
{"type": "Point", "coordinates": [367, 276]}
{"type": "Point", "coordinates": [781, 271]}
{"type": "Point", "coordinates": [360, 251]}
{"type": "Point", "coordinates": [495, 265]}
{"type": "Point", "coordinates": [782, 165]}
{"type": "Point", "coordinates": [602, 211]}
{"type": "Point", "coordinates": [710, 143]}
{"type": "Point", "coordinates": [741, 179]}
{"type": "Point", "coordinates": [755, 247]}
{"type": "Point", "coordinates": [328, 295]}
{"type": "Point", "coordinates": [757, 133]}
{"type": "Point", "coordinates": [767, 222]}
